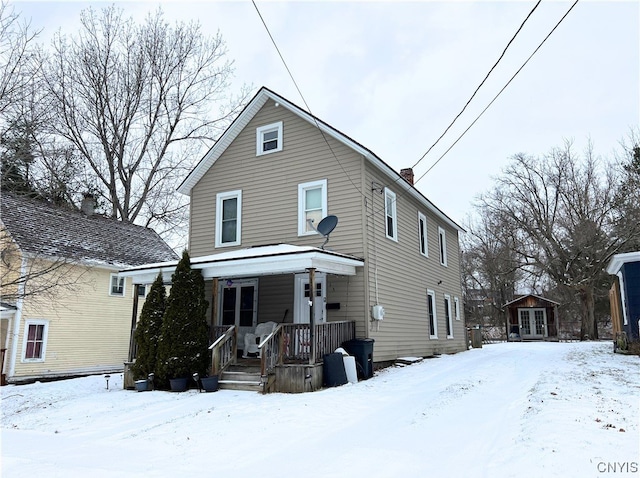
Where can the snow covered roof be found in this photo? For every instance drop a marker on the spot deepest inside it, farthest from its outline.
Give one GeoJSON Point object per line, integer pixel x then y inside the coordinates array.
{"type": "Point", "coordinates": [619, 260]}
{"type": "Point", "coordinates": [254, 261]}
{"type": "Point", "coordinates": [44, 230]}
{"type": "Point", "coordinates": [250, 111]}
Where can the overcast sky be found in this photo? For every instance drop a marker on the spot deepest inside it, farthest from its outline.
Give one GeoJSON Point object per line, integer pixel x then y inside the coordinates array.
{"type": "Point", "coordinates": [393, 75]}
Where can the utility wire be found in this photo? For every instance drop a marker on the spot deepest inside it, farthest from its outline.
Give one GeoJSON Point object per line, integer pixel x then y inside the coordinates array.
{"type": "Point", "coordinates": [500, 92]}
{"type": "Point", "coordinates": [303, 98]}
{"type": "Point", "coordinates": [480, 85]}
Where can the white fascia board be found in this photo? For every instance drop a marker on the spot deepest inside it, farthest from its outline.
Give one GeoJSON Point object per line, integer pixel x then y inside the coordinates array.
{"type": "Point", "coordinates": [619, 260]}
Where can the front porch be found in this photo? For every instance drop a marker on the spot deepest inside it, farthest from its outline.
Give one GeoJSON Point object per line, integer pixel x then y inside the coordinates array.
{"type": "Point", "coordinates": [289, 359]}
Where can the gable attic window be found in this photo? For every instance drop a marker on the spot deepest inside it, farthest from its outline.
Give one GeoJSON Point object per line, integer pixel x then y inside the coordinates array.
{"type": "Point", "coordinates": [228, 218]}
{"type": "Point", "coordinates": [269, 138]}
{"type": "Point", "coordinates": [312, 205]}
{"type": "Point", "coordinates": [391, 223]}
{"type": "Point", "coordinates": [116, 285]}
{"type": "Point", "coordinates": [35, 340]}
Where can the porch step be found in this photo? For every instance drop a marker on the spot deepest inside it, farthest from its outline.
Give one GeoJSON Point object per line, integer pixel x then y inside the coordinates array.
{"type": "Point", "coordinates": [238, 380]}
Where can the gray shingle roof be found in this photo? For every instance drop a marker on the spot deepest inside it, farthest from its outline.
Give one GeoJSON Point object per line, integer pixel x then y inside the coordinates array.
{"type": "Point", "coordinates": [46, 230]}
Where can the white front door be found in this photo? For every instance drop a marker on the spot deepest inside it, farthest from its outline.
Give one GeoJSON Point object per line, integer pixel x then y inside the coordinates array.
{"type": "Point", "coordinates": [301, 302]}
{"type": "Point", "coordinates": [239, 305]}
{"type": "Point", "coordinates": [533, 323]}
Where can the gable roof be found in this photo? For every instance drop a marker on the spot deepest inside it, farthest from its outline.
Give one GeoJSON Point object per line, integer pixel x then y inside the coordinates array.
{"type": "Point", "coordinates": [252, 108]}
{"type": "Point", "coordinates": [522, 297]}
{"type": "Point", "coordinates": [44, 230]}
{"type": "Point", "coordinates": [619, 260]}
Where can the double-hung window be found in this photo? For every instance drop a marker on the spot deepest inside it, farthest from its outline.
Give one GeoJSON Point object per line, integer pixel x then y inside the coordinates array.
{"type": "Point", "coordinates": [35, 340]}
{"type": "Point", "coordinates": [422, 234]}
{"type": "Point", "coordinates": [442, 238]}
{"type": "Point", "coordinates": [447, 314]}
{"type": "Point", "coordinates": [391, 220]}
{"type": "Point", "coordinates": [116, 285]}
{"type": "Point", "coordinates": [228, 218]}
{"type": "Point", "coordinates": [431, 310]}
{"type": "Point", "coordinates": [269, 138]}
{"type": "Point", "coordinates": [312, 206]}
{"type": "Point", "coordinates": [456, 308]}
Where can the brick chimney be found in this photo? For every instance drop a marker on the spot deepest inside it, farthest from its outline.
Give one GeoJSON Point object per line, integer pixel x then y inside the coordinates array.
{"type": "Point", "coordinates": [407, 175]}
{"type": "Point", "coordinates": [88, 205]}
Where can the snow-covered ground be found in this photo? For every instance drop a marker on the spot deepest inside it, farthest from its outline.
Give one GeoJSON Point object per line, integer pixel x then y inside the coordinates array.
{"type": "Point", "coordinates": [520, 409]}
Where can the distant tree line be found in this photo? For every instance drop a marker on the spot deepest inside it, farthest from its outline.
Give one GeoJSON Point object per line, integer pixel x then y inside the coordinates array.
{"type": "Point", "coordinates": [550, 226]}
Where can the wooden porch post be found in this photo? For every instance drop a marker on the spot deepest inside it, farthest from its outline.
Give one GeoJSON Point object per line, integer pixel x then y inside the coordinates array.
{"type": "Point", "coordinates": [214, 308]}
{"type": "Point", "coordinates": [312, 323]}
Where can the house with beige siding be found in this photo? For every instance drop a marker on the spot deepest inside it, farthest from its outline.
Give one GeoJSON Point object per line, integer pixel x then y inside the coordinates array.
{"type": "Point", "coordinates": [65, 312]}
{"type": "Point", "coordinates": [389, 271]}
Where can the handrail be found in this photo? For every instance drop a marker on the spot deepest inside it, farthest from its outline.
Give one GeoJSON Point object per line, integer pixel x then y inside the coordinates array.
{"type": "Point", "coordinates": [224, 351]}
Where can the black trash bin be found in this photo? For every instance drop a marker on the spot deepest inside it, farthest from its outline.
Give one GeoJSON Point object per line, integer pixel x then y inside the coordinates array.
{"type": "Point", "coordinates": [333, 372]}
{"type": "Point", "coordinates": [362, 350]}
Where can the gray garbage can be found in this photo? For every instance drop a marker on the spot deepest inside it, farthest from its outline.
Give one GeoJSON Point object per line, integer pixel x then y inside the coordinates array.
{"type": "Point", "coordinates": [362, 350]}
{"type": "Point", "coordinates": [476, 337]}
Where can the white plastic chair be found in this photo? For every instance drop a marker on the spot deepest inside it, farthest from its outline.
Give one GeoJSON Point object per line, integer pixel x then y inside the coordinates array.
{"type": "Point", "coordinates": [252, 340]}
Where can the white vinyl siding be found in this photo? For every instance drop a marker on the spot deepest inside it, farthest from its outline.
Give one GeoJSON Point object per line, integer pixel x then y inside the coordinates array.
{"type": "Point", "coordinates": [116, 285]}
{"type": "Point", "coordinates": [431, 314]}
{"type": "Point", "coordinates": [442, 239]}
{"type": "Point", "coordinates": [422, 235]}
{"type": "Point", "coordinates": [390, 214]}
{"type": "Point", "coordinates": [35, 340]}
{"type": "Point", "coordinates": [447, 315]}
{"type": "Point", "coordinates": [269, 138]}
{"type": "Point", "coordinates": [312, 205]}
{"type": "Point", "coordinates": [229, 218]}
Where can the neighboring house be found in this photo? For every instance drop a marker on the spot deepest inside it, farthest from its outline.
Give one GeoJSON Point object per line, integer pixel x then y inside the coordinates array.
{"type": "Point", "coordinates": [624, 298]}
{"type": "Point", "coordinates": [390, 271]}
{"type": "Point", "coordinates": [73, 314]}
{"type": "Point", "coordinates": [531, 317]}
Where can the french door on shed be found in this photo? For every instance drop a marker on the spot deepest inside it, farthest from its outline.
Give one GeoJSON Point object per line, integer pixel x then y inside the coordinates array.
{"type": "Point", "coordinates": [533, 323]}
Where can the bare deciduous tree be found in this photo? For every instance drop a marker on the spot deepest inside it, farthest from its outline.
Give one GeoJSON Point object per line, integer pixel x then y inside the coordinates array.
{"type": "Point", "coordinates": [564, 221]}
{"type": "Point", "coordinates": [16, 56]}
{"type": "Point", "coordinates": [136, 102]}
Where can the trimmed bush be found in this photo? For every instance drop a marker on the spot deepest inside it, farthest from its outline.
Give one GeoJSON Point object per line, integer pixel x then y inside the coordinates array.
{"type": "Point", "coordinates": [184, 339]}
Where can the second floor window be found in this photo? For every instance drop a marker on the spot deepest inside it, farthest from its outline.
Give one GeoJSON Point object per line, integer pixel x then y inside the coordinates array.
{"type": "Point", "coordinates": [390, 214]}
{"type": "Point", "coordinates": [442, 237]}
{"type": "Point", "coordinates": [228, 218]}
{"type": "Point", "coordinates": [312, 205]}
{"type": "Point", "coordinates": [422, 234]}
{"type": "Point", "coordinates": [116, 287]}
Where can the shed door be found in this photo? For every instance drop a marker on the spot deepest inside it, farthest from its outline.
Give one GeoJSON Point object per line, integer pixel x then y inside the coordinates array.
{"type": "Point", "coordinates": [533, 323]}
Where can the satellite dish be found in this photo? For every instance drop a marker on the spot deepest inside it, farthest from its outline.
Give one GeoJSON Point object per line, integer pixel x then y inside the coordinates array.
{"type": "Point", "coordinates": [326, 226]}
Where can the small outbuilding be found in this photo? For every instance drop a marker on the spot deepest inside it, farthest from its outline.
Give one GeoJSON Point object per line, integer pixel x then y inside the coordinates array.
{"type": "Point", "coordinates": [624, 298]}
{"type": "Point", "coordinates": [531, 317]}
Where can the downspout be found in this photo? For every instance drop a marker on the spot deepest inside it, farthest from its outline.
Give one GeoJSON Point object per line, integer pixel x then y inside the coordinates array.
{"type": "Point", "coordinates": [17, 319]}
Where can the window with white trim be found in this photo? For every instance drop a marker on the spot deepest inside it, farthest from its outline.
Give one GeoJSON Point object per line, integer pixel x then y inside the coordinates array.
{"type": "Point", "coordinates": [312, 205]}
{"type": "Point", "coordinates": [442, 239]}
{"type": "Point", "coordinates": [391, 221]}
{"type": "Point", "coordinates": [447, 315]}
{"type": "Point", "coordinates": [35, 340]}
{"type": "Point", "coordinates": [228, 218]}
{"type": "Point", "coordinates": [456, 308]}
{"type": "Point", "coordinates": [116, 285]}
{"type": "Point", "coordinates": [422, 234]}
{"type": "Point", "coordinates": [431, 311]}
{"type": "Point", "coordinates": [140, 289]}
{"type": "Point", "coordinates": [269, 138]}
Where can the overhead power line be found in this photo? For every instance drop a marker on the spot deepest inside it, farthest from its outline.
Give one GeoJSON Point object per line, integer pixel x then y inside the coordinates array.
{"type": "Point", "coordinates": [500, 92]}
{"type": "Point", "coordinates": [480, 85]}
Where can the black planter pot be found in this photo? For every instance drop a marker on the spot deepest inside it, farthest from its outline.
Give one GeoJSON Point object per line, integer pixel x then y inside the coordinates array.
{"type": "Point", "coordinates": [178, 384]}
{"type": "Point", "coordinates": [210, 384]}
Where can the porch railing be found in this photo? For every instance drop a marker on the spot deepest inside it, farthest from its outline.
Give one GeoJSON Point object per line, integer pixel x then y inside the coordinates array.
{"type": "Point", "coordinates": [289, 343]}
{"type": "Point", "coordinates": [224, 349]}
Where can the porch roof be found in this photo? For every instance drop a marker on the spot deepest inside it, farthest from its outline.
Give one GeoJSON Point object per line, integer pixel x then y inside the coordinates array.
{"type": "Point", "coordinates": [253, 262]}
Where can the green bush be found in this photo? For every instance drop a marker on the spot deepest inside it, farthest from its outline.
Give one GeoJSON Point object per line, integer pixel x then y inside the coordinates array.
{"type": "Point", "coordinates": [148, 330]}
{"type": "Point", "coordinates": [184, 339]}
